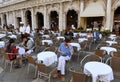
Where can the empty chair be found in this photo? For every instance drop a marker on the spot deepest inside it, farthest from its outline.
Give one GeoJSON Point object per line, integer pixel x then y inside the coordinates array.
{"type": "Point", "coordinates": [76, 53]}
{"type": "Point", "coordinates": [89, 58]}
{"type": "Point", "coordinates": [100, 53]}
{"type": "Point", "coordinates": [31, 62]}
{"type": "Point", "coordinates": [8, 61]}
{"type": "Point", "coordinates": [45, 71]}
{"type": "Point", "coordinates": [77, 76]}
{"type": "Point", "coordinates": [114, 63]}
{"type": "Point", "coordinates": [116, 54]}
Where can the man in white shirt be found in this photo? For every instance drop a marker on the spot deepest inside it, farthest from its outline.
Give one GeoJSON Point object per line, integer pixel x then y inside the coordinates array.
{"type": "Point", "coordinates": [27, 30]}
{"type": "Point", "coordinates": [22, 28]}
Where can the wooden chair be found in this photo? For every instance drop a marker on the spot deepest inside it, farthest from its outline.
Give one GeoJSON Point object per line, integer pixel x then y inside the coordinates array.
{"type": "Point", "coordinates": [89, 58]}
{"type": "Point", "coordinates": [8, 61]}
{"type": "Point", "coordinates": [114, 63]}
{"type": "Point", "coordinates": [115, 54]}
{"type": "Point", "coordinates": [100, 53]}
{"type": "Point", "coordinates": [76, 53]}
{"type": "Point", "coordinates": [45, 71]}
{"type": "Point", "coordinates": [77, 76]}
{"type": "Point", "coordinates": [46, 44]}
{"type": "Point", "coordinates": [31, 62]}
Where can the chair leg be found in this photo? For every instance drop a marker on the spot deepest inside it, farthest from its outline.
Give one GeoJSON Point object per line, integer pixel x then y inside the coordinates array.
{"type": "Point", "coordinates": [28, 68]}
{"type": "Point", "coordinates": [11, 66]}
{"type": "Point", "coordinates": [35, 71]}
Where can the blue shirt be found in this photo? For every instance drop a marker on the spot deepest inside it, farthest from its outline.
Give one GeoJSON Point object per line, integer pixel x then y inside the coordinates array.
{"type": "Point", "coordinates": [65, 49]}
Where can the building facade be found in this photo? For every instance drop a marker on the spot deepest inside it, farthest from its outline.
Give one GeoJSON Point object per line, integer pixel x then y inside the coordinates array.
{"type": "Point", "coordinates": [60, 14]}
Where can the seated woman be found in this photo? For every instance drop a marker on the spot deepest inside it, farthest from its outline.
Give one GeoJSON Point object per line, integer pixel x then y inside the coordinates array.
{"type": "Point", "coordinates": [28, 44]}
{"type": "Point", "coordinates": [11, 50]}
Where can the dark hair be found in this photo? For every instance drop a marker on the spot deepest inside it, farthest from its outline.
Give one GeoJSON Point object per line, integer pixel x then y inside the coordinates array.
{"type": "Point", "coordinates": [11, 40]}
{"type": "Point", "coordinates": [67, 39]}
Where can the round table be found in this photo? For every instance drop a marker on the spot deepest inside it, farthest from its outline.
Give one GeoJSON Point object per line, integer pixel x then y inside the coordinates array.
{"type": "Point", "coordinates": [98, 70]}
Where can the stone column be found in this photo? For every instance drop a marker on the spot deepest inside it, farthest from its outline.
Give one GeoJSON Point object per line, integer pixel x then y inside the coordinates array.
{"type": "Point", "coordinates": [64, 21]}
{"type": "Point", "coordinates": [108, 15]}
{"type": "Point", "coordinates": [23, 17]}
{"type": "Point", "coordinates": [45, 16]}
{"type": "Point", "coordinates": [33, 18]}
{"type": "Point", "coordinates": [60, 17]}
{"type": "Point", "coordinates": [15, 21]}
{"type": "Point", "coordinates": [7, 18]}
{"type": "Point", "coordinates": [2, 19]}
{"type": "Point", "coordinates": [112, 20]}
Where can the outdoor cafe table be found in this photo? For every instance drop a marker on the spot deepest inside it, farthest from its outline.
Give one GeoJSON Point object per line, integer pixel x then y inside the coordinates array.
{"type": "Point", "coordinates": [47, 57]}
{"type": "Point", "coordinates": [99, 71]}
{"type": "Point", "coordinates": [48, 41]}
{"type": "Point", "coordinates": [2, 44]}
{"type": "Point", "coordinates": [2, 35]}
{"type": "Point", "coordinates": [111, 42]}
{"type": "Point", "coordinates": [46, 36]}
{"type": "Point", "coordinates": [76, 45]}
{"type": "Point", "coordinates": [60, 37]}
{"type": "Point", "coordinates": [82, 39]}
{"type": "Point", "coordinates": [108, 49]}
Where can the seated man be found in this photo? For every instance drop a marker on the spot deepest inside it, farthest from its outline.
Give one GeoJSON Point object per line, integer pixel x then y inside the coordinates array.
{"type": "Point", "coordinates": [65, 50]}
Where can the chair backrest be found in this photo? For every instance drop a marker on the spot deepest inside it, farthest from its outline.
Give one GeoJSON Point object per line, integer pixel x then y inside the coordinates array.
{"type": "Point", "coordinates": [115, 61]}
{"type": "Point", "coordinates": [31, 60]}
{"type": "Point", "coordinates": [116, 54]}
{"type": "Point", "coordinates": [75, 49]}
{"type": "Point", "coordinates": [46, 44]}
{"type": "Point", "coordinates": [41, 67]}
{"type": "Point", "coordinates": [100, 53]}
{"type": "Point", "coordinates": [52, 48]}
{"type": "Point", "coordinates": [89, 58]}
{"type": "Point", "coordinates": [83, 45]}
{"type": "Point", "coordinates": [6, 56]}
{"type": "Point", "coordinates": [78, 76]}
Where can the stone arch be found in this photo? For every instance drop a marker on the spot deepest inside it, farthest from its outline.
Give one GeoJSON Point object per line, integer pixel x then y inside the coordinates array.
{"type": "Point", "coordinates": [40, 20]}
{"type": "Point", "coordinates": [4, 19]}
{"type": "Point", "coordinates": [71, 18]}
{"type": "Point", "coordinates": [28, 17]}
{"type": "Point", "coordinates": [54, 20]}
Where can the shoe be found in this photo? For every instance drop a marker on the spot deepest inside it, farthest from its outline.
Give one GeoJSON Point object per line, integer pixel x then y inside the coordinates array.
{"type": "Point", "coordinates": [63, 78]}
{"type": "Point", "coordinates": [55, 75]}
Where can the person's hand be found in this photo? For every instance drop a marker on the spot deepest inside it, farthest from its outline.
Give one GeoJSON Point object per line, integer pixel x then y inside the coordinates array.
{"type": "Point", "coordinates": [62, 52]}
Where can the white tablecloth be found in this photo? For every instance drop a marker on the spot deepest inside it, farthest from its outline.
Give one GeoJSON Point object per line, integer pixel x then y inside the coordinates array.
{"type": "Point", "coordinates": [83, 34]}
{"type": "Point", "coordinates": [99, 70]}
{"type": "Point", "coordinates": [76, 45]}
{"type": "Point", "coordinates": [21, 50]}
{"type": "Point", "coordinates": [2, 35]}
{"type": "Point", "coordinates": [13, 36]}
{"type": "Point", "coordinates": [47, 57]}
{"type": "Point", "coordinates": [108, 49]}
{"type": "Point", "coordinates": [111, 42]}
{"type": "Point", "coordinates": [60, 37]}
{"type": "Point", "coordinates": [75, 34]}
{"type": "Point", "coordinates": [48, 41]}
{"type": "Point", "coordinates": [2, 44]}
{"type": "Point", "coordinates": [46, 36]}
{"type": "Point", "coordinates": [82, 39]}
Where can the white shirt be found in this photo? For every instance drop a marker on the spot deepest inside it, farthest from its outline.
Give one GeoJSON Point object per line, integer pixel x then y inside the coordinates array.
{"type": "Point", "coordinates": [22, 29]}
{"type": "Point", "coordinates": [27, 30]}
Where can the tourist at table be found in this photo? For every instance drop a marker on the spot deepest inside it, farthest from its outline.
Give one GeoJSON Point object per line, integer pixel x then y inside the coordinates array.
{"type": "Point", "coordinates": [69, 33]}
{"type": "Point", "coordinates": [27, 43]}
{"type": "Point", "coordinates": [95, 35]}
{"type": "Point", "coordinates": [65, 50]}
{"type": "Point", "coordinates": [11, 50]}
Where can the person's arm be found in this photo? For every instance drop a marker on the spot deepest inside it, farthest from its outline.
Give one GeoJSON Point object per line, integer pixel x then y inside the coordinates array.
{"type": "Point", "coordinates": [71, 49]}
